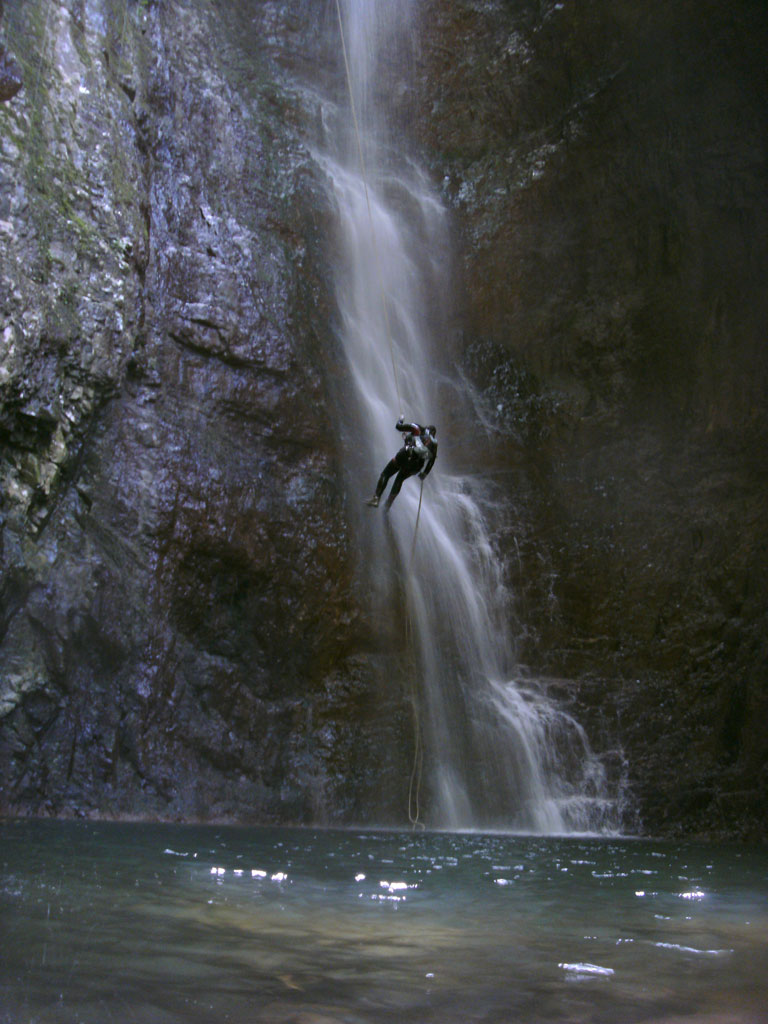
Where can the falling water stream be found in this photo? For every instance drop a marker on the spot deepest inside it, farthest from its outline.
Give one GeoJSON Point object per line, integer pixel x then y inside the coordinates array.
{"type": "Point", "coordinates": [497, 753]}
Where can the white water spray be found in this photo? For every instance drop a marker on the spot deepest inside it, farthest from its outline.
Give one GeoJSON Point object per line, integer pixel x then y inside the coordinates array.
{"type": "Point", "coordinates": [497, 754]}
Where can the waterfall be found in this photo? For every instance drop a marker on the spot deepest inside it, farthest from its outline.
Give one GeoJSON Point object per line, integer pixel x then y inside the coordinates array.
{"type": "Point", "coordinates": [498, 753]}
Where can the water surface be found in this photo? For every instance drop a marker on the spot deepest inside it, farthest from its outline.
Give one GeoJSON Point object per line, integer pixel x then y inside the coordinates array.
{"type": "Point", "coordinates": [150, 923]}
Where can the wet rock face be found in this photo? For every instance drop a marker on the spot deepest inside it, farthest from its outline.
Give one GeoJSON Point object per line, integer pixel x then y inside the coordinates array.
{"type": "Point", "coordinates": [608, 188]}
{"type": "Point", "coordinates": [11, 79]}
{"type": "Point", "coordinates": [183, 631]}
{"type": "Point", "coordinates": [179, 632]}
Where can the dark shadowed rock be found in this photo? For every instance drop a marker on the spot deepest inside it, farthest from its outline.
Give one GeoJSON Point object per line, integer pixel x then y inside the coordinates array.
{"type": "Point", "coordinates": [11, 79]}
{"type": "Point", "coordinates": [10, 76]}
{"type": "Point", "coordinates": [608, 185]}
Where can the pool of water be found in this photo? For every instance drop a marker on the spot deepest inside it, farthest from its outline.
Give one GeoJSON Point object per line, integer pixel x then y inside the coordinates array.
{"type": "Point", "coordinates": [159, 924]}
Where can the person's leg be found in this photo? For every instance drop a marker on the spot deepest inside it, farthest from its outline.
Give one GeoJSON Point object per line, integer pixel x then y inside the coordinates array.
{"type": "Point", "coordinates": [389, 470]}
{"type": "Point", "coordinates": [406, 466]}
{"type": "Point", "coordinates": [395, 488]}
{"type": "Point", "coordinates": [403, 474]}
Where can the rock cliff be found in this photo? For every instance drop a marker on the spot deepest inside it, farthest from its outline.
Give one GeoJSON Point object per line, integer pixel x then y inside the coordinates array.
{"type": "Point", "coordinates": [180, 633]}
{"type": "Point", "coordinates": [607, 169]}
{"type": "Point", "coordinates": [184, 625]}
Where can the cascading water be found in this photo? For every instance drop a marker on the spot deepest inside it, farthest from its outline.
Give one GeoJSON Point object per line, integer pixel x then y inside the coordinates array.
{"type": "Point", "coordinates": [497, 754]}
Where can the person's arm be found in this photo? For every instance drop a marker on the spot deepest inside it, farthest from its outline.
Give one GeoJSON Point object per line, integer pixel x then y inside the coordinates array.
{"type": "Point", "coordinates": [432, 449]}
{"type": "Point", "coordinates": [408, 428]}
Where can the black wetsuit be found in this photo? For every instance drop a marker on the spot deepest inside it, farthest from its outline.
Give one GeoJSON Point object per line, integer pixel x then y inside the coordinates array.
{"type": "Point", "coordinates": [417, 455]}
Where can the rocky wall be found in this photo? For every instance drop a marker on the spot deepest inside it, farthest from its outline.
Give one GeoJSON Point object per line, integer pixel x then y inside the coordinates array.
{"type": "Point", "coordinates": [178, 635]}
{"type": "Point", "coordinates": [184, 626]}
{"type": "Point", "coordinates": [606, 168]}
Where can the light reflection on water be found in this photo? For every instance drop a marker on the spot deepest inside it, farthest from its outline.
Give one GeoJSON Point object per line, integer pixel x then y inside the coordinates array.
{"type": "Point", "coordinates": [149, 923]}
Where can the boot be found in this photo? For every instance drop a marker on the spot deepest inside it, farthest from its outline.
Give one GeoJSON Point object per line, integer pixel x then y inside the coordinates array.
{"type": "Point", "coordinates": [373, 502]}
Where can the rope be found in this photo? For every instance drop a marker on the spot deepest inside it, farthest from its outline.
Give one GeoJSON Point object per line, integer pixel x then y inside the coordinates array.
{"type": "Point", "coordinates": [418, 762]}
{"type": "Point", "coordinates": [418, 752]}
{"type": "Point", "coordinates": [416, 527]}
{"type": "Point", "coordinates": [414, 811]}
{"type": "Point", "coordinates": [368, 204]}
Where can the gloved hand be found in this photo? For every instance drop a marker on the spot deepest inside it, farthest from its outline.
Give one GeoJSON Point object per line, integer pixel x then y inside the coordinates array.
{"type": "Point", "coordinates": [401, 421]}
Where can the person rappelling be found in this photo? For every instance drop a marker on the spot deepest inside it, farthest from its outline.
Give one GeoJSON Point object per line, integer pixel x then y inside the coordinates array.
{"type": "Point", "coordinates": [417, 455]}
